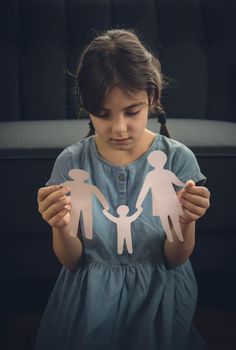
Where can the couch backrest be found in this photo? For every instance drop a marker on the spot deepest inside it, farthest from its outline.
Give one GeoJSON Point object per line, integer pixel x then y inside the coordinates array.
{"type": "Point", "coordinates": [40, 40]}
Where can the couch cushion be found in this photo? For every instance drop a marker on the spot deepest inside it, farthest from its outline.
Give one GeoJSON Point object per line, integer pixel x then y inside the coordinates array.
{"type": "Point", "coordinates": [47, 138]}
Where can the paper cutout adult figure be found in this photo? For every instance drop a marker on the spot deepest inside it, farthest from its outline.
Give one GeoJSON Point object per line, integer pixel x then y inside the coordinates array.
{"type": "Point", "coordinates": [81, 201]}
{"type": "Point", "coordinates": [165, 202]}
{"type": "Point", "coordinates": [123, 223]}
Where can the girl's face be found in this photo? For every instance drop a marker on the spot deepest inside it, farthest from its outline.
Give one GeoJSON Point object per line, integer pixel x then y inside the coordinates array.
{"type": "Point", "coordinates": [122, 121]}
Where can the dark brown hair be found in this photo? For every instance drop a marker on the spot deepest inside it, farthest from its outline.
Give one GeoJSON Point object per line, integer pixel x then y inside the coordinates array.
{"type": "Point", "coordinates": [117, 57]}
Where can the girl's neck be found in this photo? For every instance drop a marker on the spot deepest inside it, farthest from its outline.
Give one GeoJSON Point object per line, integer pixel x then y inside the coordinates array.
{"type": "Point", "coordinates": [122, 158]}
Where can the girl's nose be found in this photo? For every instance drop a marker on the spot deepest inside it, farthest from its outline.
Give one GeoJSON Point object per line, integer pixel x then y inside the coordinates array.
{"type": "Point", "coordinates": [119, 125]}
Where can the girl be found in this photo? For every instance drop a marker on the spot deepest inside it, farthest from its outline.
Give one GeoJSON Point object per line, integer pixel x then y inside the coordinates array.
{"type": "Point", "coordinates": [104, 300]}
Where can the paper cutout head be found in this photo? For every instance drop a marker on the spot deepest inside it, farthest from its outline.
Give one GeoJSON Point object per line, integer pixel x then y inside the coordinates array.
{"type": "Point", "coordinates": [123, 210]}
{"type": "Point", "coordinates": [157, 159]}
{"type": "Point", "coordinates": [79, 175]}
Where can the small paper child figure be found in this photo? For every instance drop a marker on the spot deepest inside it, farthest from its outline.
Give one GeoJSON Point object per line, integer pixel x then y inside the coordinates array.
{"type": "Point", "coordinates": [81, 201]}
{"type": "Point", "coordinates": [165, 202]}
{"type": "Point", "coordinates": [123, 227]}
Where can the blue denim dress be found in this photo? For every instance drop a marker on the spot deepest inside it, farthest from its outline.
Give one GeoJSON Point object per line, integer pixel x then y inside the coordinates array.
{"type": "Point", "coordinates": [122, 301]}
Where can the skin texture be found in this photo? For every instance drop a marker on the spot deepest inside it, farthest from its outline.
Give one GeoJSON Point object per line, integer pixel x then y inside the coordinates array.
{"type": "Point", "coordinates": [121, 137]}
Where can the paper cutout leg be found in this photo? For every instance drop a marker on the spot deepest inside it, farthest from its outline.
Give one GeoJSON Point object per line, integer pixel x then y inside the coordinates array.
{"type": "Point", "coordinates": [166, 227]}
{"type": "Point", "coordinates": [123, 239]}
{"type": "Point", "coordinates": [120, 242]}
{"type": "Point", "coordinates": [88, 224]}
{"type": "Point", "coordinates": [74, 222]}
{"type": "Point", "coordinates": [75, 215]}
{"type": "Point", "coordinates": [128, 241]}
{"type": "Point", "coordinates": [177, 228]}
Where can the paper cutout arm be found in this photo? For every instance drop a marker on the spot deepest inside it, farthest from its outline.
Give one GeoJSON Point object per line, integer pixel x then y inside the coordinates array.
{"type": "Point", "coordinates": [101, 198]}
{"type": "Point", "coordinates": [142, 194]}
{"type": "Point", "coordinates": [110, 216]}
{"type": "Point", "coordinates": [136, 215]}
{"type": "Point", "coordinates": [176, 181]}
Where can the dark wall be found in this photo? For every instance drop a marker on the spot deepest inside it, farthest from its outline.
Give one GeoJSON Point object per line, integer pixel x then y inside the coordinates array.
{"type": "Point", "coordinates": [41, 40]}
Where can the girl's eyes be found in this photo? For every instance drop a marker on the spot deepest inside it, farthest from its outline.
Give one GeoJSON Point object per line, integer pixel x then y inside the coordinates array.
{"type": "Point", "coordinates": [127, 113]}
{"type": "Point", "coordinates": [132, 113]}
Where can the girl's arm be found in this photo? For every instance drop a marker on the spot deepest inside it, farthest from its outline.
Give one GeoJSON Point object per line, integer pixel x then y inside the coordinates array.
{"type": "Point", "coordinates": [195, 201]}
{"type": "Point", "coordinates": [54, 206]}
{"type": "Point", "coordinates": [68, 249]}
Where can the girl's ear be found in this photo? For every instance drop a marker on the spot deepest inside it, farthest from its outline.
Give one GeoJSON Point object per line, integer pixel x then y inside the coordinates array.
{"type": "Point", "coordinates": [154, 104]}
{"type": "Point", "coordinates": [151, 106]}
{"type": "Point", "coordinates": [91, 128]}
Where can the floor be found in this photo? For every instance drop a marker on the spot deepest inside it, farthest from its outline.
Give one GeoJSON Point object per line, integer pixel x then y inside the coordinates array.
{"type": "Point", "coordinates": [217, 327]}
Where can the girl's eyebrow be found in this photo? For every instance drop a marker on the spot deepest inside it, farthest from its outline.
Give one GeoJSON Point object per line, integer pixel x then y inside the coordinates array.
{"type": "Point", "coordinates": [128, 107]}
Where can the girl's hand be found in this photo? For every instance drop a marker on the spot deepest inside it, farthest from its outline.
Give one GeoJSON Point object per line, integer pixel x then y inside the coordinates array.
{"type": "Point", "coordinates": [195, 201]}
{"type": "Point", "coordinates": [54, 205]}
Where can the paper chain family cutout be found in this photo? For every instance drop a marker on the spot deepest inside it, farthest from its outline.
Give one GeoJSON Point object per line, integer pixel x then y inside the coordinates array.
{"type": "Point", "coordinates": [165, 202]}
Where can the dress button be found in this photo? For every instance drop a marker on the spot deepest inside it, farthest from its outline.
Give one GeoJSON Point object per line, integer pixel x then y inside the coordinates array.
{"type": "Point", "coordinates": [122, 177]}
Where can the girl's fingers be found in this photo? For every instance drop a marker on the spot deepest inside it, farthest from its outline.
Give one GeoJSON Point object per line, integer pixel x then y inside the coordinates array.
{"type": "Point", "coordinates": [196, 200]}
{"type": "Point", "coordinates": [190, 183]}
{"type": "Point", "coordinates": [54, 205]}
{"type": "Point", "coordinates": [56, 208]}
{"type": "Point", "coordinates": [192, 207]}
{"type": "Point", "coordinates": [43, 192]}
{"type": "Point", "coordinates": [61, 219]}
{"type": "Point", "coordinates": [53, 195]}
{"type": "Point", "coordinates": [188, 217]}
{"type": "Point", "coordinates": [197, 190]}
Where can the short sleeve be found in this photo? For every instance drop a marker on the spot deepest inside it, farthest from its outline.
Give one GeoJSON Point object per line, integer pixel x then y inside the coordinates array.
{"type": "Point", "coordinates": [61, 168]}
{"type": "Point", "coordinates": [186, 167]}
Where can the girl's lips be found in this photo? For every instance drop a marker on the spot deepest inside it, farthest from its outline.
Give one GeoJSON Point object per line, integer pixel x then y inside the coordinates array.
{"type": "Point", "coordinates": [123, 141]}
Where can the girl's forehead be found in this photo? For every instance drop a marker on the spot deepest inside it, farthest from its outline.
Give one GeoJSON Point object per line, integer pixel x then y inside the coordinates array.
{"type": "Point", "coordinates": [119, 95]}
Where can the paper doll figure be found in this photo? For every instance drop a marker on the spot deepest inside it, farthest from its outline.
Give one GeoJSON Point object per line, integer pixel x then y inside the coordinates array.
{"type": "Point", "coordinates": [81, 201]}
{"type": "Point", "coordinates": [165, 202]}
{"type": "Point", "coordinates": [123, 223]}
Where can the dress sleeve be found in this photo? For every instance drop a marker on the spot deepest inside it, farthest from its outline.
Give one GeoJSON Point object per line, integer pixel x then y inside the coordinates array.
{"type": "Point", "coordinates": [186, 167]}
{"type": "Point", "coordinates": [61, 168]}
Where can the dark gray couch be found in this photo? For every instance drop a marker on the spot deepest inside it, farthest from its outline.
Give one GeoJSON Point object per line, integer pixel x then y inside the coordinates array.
{"type": "Point", "coordinates": [39, 42]}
